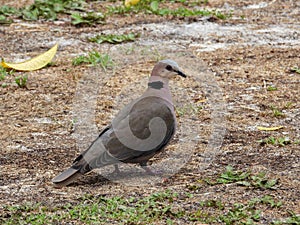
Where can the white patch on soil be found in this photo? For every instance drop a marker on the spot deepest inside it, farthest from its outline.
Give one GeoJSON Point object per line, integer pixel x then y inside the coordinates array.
{"type": "Point", "coordinates": [213, 36]}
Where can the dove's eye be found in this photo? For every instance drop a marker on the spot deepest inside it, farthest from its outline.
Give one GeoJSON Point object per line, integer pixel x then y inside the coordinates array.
{"type": "Point", "coordinates": [168, 67]}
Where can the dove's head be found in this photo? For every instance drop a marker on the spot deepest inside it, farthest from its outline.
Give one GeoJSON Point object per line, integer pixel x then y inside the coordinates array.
{"type": "Point", "coordinates": [167, 69]}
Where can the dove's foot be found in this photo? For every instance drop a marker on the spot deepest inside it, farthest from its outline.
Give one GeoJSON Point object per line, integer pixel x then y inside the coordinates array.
{"type": "Point", "coordinates": [117, 171]}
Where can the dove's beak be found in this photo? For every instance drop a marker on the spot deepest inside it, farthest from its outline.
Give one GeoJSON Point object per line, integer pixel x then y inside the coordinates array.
{"type": "Point", "coordinates": [180, 73]}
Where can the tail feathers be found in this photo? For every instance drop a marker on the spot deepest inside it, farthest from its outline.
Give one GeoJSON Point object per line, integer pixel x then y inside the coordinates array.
{"type": "Point", "coordinates": [66, 177]}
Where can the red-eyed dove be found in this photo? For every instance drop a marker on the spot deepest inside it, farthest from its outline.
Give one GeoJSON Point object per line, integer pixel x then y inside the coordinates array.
{"type": "Point", "coordinates": [138, 132]}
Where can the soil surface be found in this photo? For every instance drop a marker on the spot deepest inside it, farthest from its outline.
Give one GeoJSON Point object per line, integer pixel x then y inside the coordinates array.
{"type": "Point", "coordinates": [232, 63]}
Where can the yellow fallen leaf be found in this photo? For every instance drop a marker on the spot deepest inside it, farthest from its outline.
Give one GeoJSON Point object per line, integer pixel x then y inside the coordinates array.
{"type": "Point", "coordinates": [269, 128]}
{"type": "Point", "coordinates": [34, 63]}
{"type": "Point", "coordinates": [131, 2]}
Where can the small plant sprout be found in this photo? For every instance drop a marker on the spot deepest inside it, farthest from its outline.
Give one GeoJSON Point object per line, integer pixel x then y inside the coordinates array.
{"type": "Point", "coordinates": [276, 112]}
{"type": "Point", "coordinates": [271, 88]}
{"type": "Point", "coordinates": [3, 73]}
{"type": "Point", "coordinates": [288, 105]}
{"type": "Point", "coordinates": [21, 81]}
{"type": "Point", "coordinates": [295, 69]}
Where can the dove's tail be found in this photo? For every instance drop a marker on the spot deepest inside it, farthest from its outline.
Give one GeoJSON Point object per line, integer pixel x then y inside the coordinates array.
{"type": "Point", "coordinates": [66, 177]}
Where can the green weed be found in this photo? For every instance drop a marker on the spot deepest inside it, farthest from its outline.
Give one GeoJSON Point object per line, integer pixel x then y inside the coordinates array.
{"type": "Point", "coordinates": [276, 112]}
{"type": "Point", "coordinates": [94, 58]}
{"type": "Point", "coordinates": [236, 213]}
{"type": "Point", "coordinates": [151, 209]}
{"type": "Point", "coordinates": [114, 38]}
{"type": "Point", "coordinates": [271, 88]}
{"type": "Point", "coordinates": [43, 9]}
{"type": "Point", "coordinates": [8, 11]}
{"type": "Point", "coordinates": [267, 200]}
{"type": "Point", "coordinates": [87, 18]}
{"type": "Point", "coordinates": [153, 7]}
{"type": "Point", "coordinates": [295, 69]}
{"type": "Point", "coordinates": [261, 181]}
{"type": "Point", "coordinates": [21, 81]}
{"type": "Point", "coordinates": [244, 179]}
{"type": "Point", "coordinates": [50, 9]}
{"type": "Point", "coordinates": [231, 176]}
{"type": "Point", "coordinates": [5, 12]}
{"type": "Point", "coordinates": [280, 141]}
{"type": "Point", "coordinates": [294, 219]}
{"type": "Point", "coordinates": [288, 105]}
{"type": "Point", "coordinates": [3, 73]}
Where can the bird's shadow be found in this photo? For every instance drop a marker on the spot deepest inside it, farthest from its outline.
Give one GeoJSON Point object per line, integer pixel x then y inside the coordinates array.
{"type": "Point", "coordinates": [91, 179]}
{"type": "Point", "coordinates": [121, 177]}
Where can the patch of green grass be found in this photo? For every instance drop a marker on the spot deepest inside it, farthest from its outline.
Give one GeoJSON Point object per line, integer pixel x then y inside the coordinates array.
{"type": "Point", "coordinates": [280, 141]}
{"type": "Point", "coordinates": [87, 18]}
{"type": "Point", "coordinates": [241, 213]}
{"type": "Point", "coordinates": [49, 9]}
{"type": "Point", "coordinates": [42, 9]}
{"type": "Point", "coordinates": [95, 210]}
{"type": "Point", "coordinates": [5, 12]}
{"type": "Point", "coordinates": [267, 200]}
{"type": "Point", "coordinates": [21, 81]}
{"type": "Point", "coordinates": [235, 213]}
{"type": "Point", "coordinates": [167, 206]}
{"type": "Point", "coordinates": [153, 7]}
{"type": "Point", "coordinates": [247, 179]}
{"type": "Point", "coordinates": [114, 38]}
{"type": "Point", "coordinates": [293, 219]}
{"type": "Point", "coordinates": [8, 11]}
{"type": "Point", "coordinates": [203, 215]}
{"type": "Point", "coordinates": [94, 58]}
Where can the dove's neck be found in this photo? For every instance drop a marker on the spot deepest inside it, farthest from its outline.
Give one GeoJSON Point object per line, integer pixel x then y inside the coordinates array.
{"type": "Point", "coordinates": [159, 86]}
{"type": "Point", "coordinates": [165, 81]}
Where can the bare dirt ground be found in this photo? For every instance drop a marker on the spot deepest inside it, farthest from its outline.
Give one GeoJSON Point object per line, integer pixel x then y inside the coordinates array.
{"type": "Point", "coordinates": [37, 131]}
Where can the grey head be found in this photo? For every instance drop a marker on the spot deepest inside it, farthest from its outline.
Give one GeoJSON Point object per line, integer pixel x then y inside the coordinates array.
{"type": "Point", "coordinates": [167, 69]}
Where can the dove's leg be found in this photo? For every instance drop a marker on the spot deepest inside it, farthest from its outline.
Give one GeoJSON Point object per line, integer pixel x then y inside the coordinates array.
{"type": "Point", "coordinates": [116, 171]}
{"type": "Point", "coordinates": [147, 169]}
